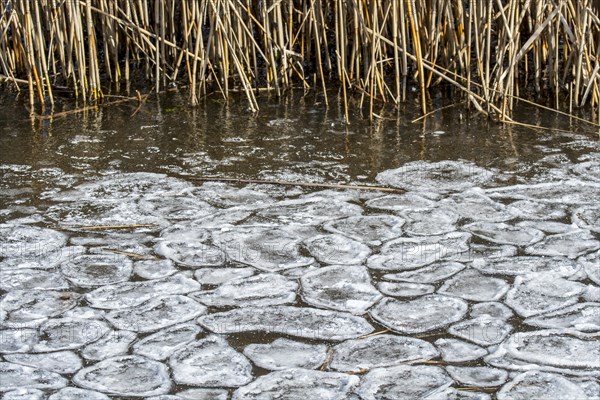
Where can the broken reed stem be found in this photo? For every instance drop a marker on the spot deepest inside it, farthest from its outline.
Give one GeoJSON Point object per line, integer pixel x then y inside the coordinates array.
{"type": "Point", "coordinates": [491, 51]}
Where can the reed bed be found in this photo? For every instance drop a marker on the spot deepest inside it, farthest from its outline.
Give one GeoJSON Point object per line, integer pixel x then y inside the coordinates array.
{"type": "Point", "coordinates": [492, 51]}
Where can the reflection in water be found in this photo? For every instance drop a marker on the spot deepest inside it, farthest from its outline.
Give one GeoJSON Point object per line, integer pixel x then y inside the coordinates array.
{"type": "Point", "coordinates": [293, 138]}
{"type": "Point", "coordinates": [493, 234]}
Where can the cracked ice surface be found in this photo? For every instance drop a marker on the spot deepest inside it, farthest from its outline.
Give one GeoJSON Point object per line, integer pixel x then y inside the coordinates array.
{"type": "Point", "coordinates": [261, 292]}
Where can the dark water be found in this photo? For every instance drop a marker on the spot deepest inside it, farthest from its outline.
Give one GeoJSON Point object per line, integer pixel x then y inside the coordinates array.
{"type": "Point", "coordinates": [292, 139]}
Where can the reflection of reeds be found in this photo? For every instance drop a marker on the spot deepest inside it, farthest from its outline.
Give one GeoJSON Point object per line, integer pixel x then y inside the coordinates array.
{"type": "Point", "coordinates": [492, 50]}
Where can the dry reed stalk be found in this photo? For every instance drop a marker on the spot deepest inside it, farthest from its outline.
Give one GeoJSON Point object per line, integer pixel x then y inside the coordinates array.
{"type": "Point", "coordinates": [490, 50]}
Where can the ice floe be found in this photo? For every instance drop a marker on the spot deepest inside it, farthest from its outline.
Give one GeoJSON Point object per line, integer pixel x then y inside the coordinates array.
{"type": "Point", "coordinates": [257, 290]}
{"type": "Point", "coordinates": [156, 313]}
{"type": "Point", "coordinates": [475, 206]}
{"type": "Point", "coordinates": [571, 192]}
{"type": "Point", "coordinates": [542, 293]}
{"type": "Point", "coordinates": [210, 362]}
{"type": "Point", "coordinates": [72, 393]}
{"type": "Point", "coordinates": [523, 265]}
{"type": "Point", "coordinates": [62, 362]}
{"type": "Point", "coordinates": [24, 394]}
{"type": "Point", "coordinates": [419, 315]}
{"type": "Point", "coordinates": [504, 233]}
{"type": "Point", "coordinates": [483, 330]}
{"type": "Point", "coordinates": [129, 294]}
{"type": "Point", "coordinates": [401, 202]}
{"type": "Point", "coordinates": [491, 309]}
{"type": "Point", "coordinates": [340, 287]}
{"type": "Point", "coordinates": [217, 276]}
{"type": "Point", "coordinates": [478, 251]}
{"type": "Point", "coordinates": [535, 210]}
{"type": "Point", "coordinates": [221, 219]}
{"type": "Point", "coordinates": [284, 353]}
{"type": "Point", "coordinates": [124, 186]}
{"type": "Point", "coordinates": [403, 382]}
{"type": "Point", "coordinates": [162, 344]}
{"type": "Point", "coordinates": [174, 207]}
{"type": "Point", "coordinates": [457, 394]}
{"type": "Point", "coordinates": [572, 245]}
{"type": "Point", "coordinates": [154, 269]}
{"type": "Point", "coordinates": [20, 340]}
{"type": "Point", "coordinates": [549, 227]}
{"type": "Point", "coordinates": [126, 376]}
{"type": "Point", "coordinates": [455, 350]}
{"type": "Point", "coordinates": [67, 303]}
{"type": "Point", "coordinates": [88, 270]}
{"type": "Point", "coordinates": [540, 385]}
{"type": "Point", "coordinates": [298, 384]}
{"type": "Point", "coordinates": [472, 285]}
{"type": "Point", "coordinates": [411, 253]}
{"type": "Point", "coordinates": [20, 308]}
{"type": "Point", "coordinates": [309, 211]}
{"type": "Point", "coordinates": [405, 289]}
{"type": "Point", "coordinates": [588, 170]}
{"type": "Point", "coordinates": [203, 394]}
{"type": "Point", "coordinates": [431, 222]}
{"type": "Point", "coordinates": [310, 323]}
{"type": "Point", "coordinates": [557, 348]}
{"type": "Point", "coordinates": [224, 196]}
{"type": "Point", "coordinates": [45, 261]}
{"type": "Point", "coordinates": [16, 376]}
{"type": "Point", "coordinates": [190, 253]}
{"type": "Point", "coordinates": [431, 274]}
{"type": "Point", "coordinates": [478, 376]}
{"type": "Point", "coordinates": [370, 229]}
{"type": "Point", "coordinates": [336, 249]}
{"type": "Point", "coordinates": [26, 242]}
{"type": "Point", "coordinates": [27, 279]}
{"type": "Point", "coordinates": [550, 354]}
{"type": "Point", "coordinates": [101, 212]}
{"type": "Point", "coordinates": [69, 333]}
{"type": "Point", "coordinates": [114, 343]}
{"type": "Point", "coordinates": [186, 232]}
{"type": "Point", "coordinates": [269, 249]}
{"type": "Point", "coordinates": [583, 317]}
{"type": "Point", "coordinates": [442, 176]}
{"type": "Point", "coordinates": [385, 350]}
{"type": "Point", "coordinates": [588, 218]}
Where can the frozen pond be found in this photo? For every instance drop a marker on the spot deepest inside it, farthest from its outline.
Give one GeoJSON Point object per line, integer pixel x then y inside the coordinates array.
{"type": "Point", "coordinates": [478, 277]}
